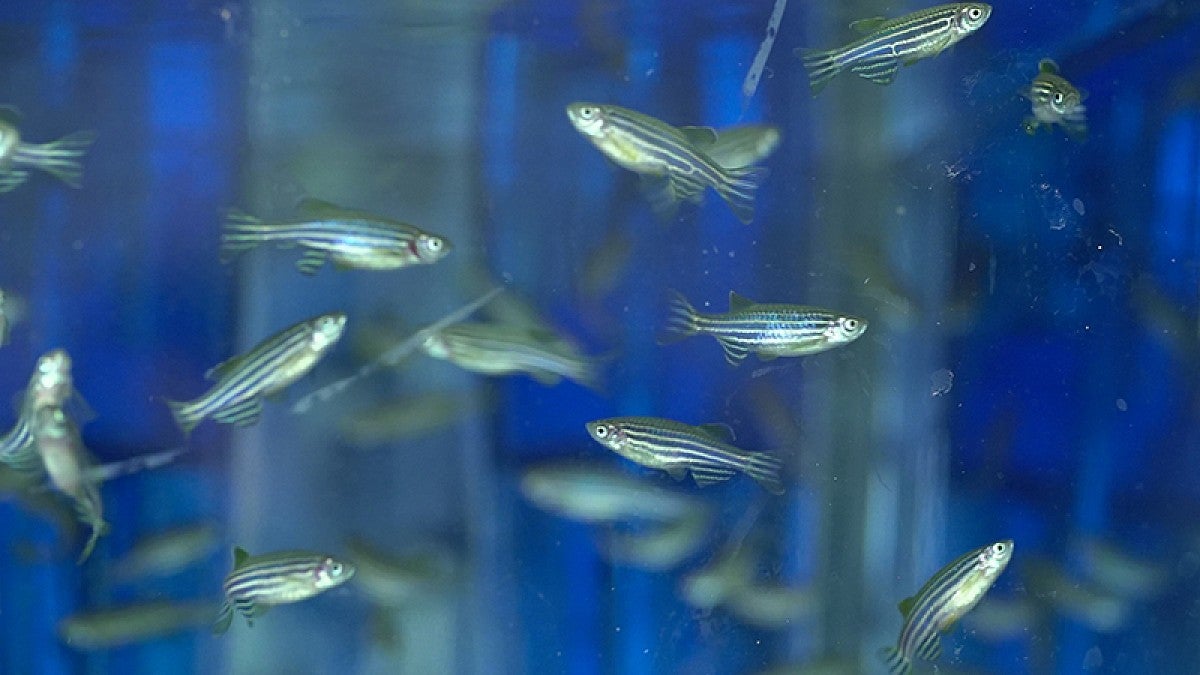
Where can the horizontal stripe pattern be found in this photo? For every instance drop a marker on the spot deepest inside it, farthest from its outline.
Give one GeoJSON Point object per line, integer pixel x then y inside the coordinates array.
{"type": "Point", "coordinates": [259, 582]}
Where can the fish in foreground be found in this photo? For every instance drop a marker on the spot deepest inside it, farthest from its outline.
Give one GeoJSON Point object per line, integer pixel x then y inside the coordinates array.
{"type": "Point", "coordinates": [1055, 101]}
{"type": "Point", "coordinates": [890, 43]}
{"type": "Point", "coordinates": [50, 386]}
{"type": "Point", "coordinates": [116, 627]}
{"type": "Point", "coordinates": [504, 349]}
{"type": "Point", "coordinates": [67, 464]}
{"type": "Point", "coordinates": [673, 162]}
{"type": "Point", "coordinates": [351, 239]}
{"type": "Point", "coordinates": [769, 330]}
{"type": "Point", "coordinates": [260, 582]}
{"type": "Point", "coordinates": [942, 601]}
{"type": "Point", "coordinates": [59, 158]}
{"type": "Point", "coordinates": [273, 365]}
{"type": "Point", "coordinates": [166, 552]}
{"type": "Point", "coordinates": [679, 448]}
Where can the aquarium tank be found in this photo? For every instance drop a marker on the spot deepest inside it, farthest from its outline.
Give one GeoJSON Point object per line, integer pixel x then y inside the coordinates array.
{"type": "Point", "coordinates": [638, 337]}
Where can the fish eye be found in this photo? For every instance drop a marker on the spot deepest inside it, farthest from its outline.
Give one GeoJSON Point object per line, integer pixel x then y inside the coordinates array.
{"type": "Point", "coordinates": [587, 112]}
{"type": "Point", "coordinates": [434, 244]}
{"type": "Point", "coordinates": [850, 324]}
{"type": "Point", "coordinates": [602, 431]}
{"type": "Point", "coordinates": [336, 569]}
{"type": "Point", "coordinates": [999, 548]}
{"type": "Point", "coordinates": [975, 13]}
{"type": "Point", "coordinates": [1058, 97]}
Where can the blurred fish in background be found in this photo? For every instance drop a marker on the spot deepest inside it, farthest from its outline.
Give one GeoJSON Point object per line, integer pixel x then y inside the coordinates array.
{"type": "Point", "coordinates": [410, 417]}
{"type": "Point", "coordinates": [58, 158]}
{"type": "Point", "coordinates": [12, 312]}
{"type": "Point", "coordinates": [1088, 603]}
{"type": "Point", "coordinates": [131, 624]}
{"type": "Point", "coordinates": [398, 583]}
{"type": "Point", "coordinates": [505, 349]}
{"type": "Point", "coordinates": [165, 553]}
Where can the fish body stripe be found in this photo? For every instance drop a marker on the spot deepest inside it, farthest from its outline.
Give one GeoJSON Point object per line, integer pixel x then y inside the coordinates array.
{"type": "Point", "coordinates": [664, 144]}
{"type": "Point", "coordinates": [274, 581]}
{"type": "Point", "coordinates": [920, 34]}
{"type": "Point", "coordinates": [766, 327]}
{"type": "Point", "coordinates": [334, 236]}
{"type": "Point", "coordinates": [666, 443]}
{"type": "Point", "coordinates": [258, 373]}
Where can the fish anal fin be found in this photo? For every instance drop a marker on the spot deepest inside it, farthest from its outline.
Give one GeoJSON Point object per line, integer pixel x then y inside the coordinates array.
{"type": "Point", "coordinates": [223, 619]}
{"type": "Point", "coordinates": [686, 189]}
{"type": "Point", "coordinates": [709, 475]}
{"type": "Point", "coordinates": [734, 353]}
{"type": "Point", "coordinates": [700, 137]}
{"type": "Point", "coordinates": [738, 303]}
{"type": "Point", "coordinates": [242, 414]}
{"type": "Point", "coordinates": [310, 262]}
{"type": "Point", "coordinates": [881, 71]}
{"type": "Point", "coordinates": [868, 25]}
{"type": "Point", "coordinates": [718, 431]}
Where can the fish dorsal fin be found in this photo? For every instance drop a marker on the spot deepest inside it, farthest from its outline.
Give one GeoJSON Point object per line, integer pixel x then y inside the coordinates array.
{"type": "Point", "coordinates": [239, 557]}
{"type": "Point", "coordinates": [224, 368]}
{"type": "Point", "coordinates": [718, 431]}
{"type": "Point", "coordinates": [10, 114]}
{"type": "Point", "coordinates": [739, 302]}
{"type": "Point", "coordinates": [1048, 66]}
{"type": "Point", "coordinates": [701, 137]}
{"type": "Point", "coordinates": [868, 26]}
{"type": "Point", "coordinates": [311, 206]}
{"type": "Point", "coordinates": [906, 606]}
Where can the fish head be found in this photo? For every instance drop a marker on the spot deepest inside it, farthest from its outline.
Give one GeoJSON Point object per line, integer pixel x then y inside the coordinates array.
{"type": "Point", "coordinates": [437, 346]}
{"type": "Point", "coordinates": [327, 329]}
{"type": "Point", "coordinates": [993, 559]}
{"type": "Point", "coordinates": [52, 381]}
{"type": "Point", "coordinates": [846, 329]}
{"type": "Point", "coordinates": [607, 434]}
{"type": "Point", "coordinates": [431, 248]}
{"type": "Point", "coordinates": [588, 119]}
{"type": "Point", "coordinates": [331, 572]}
{"type": "Point", "coordinates": [9, 140]}
{"type": "Point", "coordinates": [971, 16]}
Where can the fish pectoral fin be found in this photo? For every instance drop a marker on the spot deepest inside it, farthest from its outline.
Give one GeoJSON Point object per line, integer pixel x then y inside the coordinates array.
{"type": "Point", "coordinates": [700, 137]}
{"type": "Point", "coordinates": [311, 261]}
{"type": "Point", "coordinates": [734, 353]}
{"type": "Point", "coordinates": [242, 414]}
{"type": "Point", "coordinates": [709, 475]}
{"type": "Point", "coordinates": [930, 648]}
{"type": "Point", "coordinates": [868, 26]}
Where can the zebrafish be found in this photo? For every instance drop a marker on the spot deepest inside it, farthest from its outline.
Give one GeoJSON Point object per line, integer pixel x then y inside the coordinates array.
{"type": "Point", "coordinates": [1055, 101]}
{"type": "Point", "coordinates": [166, 552]}
{"type": "Point", "coordinates": [767, 330]}
{"type": "Point", "coordinates": [503, 349]}
{"type": "Point", "coordinates": [131, 624]}
{"type": "Point", "coordinates": [258, 583]}
{"type": "Point", "coordinates": [673, 162]}
{"type": "Point", "coordinates": [890, 43]}
{"type": "Point", "coordinates": [274, 364]}
{"type": "Point", "coordinates": [678, 448]}
{"type": "Point", "coordinates": [351, 239]}
{"type": "Point", "coordinates": [744, 145]}
{"type": "Point", "coordinates": [59, 158]}
{"type": "Point", "coordinates": [942, 601]}
{"type": "Point", "coordinates": [596, 493]}
{"type": "Point", "coordinates": [50, 386]}
{"type": "Point", "coordinates": [67, 464]}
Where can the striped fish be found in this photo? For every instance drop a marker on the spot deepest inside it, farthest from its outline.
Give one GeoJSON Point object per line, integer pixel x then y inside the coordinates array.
{"type": "Point", "coordinates": [891, 43]}
{"type": "Point", "coordinates": [68, 466]}
{"type": "Point", "coordinates": [1055, 101]}
{"type": "Point", "coordinates": [503, 349]}
{"type": "Point", "coordinates": [271, 366]}
{"type": "Point", "coordinates": [767, 330]}
{"type": "Point", "coordinates": [672, 161]}
{"type": "Point", "coordinates": [942, 601]}
{"type": "Point", "coordinates": [678, 448]}
{"type": "Point", "coordinates": [50, 386]}
{"type": "Point", "coordinates": [351, 239]}
{"type": "Point", "coordinates": [258, 583]}
{"type": "Point", "coordinates": [59, 158]}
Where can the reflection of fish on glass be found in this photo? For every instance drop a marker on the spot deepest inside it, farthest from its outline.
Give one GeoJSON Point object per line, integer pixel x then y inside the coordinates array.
{"type": "Point", "coordinates": [732, 581]}
{"type": "Point", "coordinates": [1054, 101]}
{"type": "Point", "coordinates": [58, 158]}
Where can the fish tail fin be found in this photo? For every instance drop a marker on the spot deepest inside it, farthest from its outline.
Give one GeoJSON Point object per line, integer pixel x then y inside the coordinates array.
{"type": "Point", "coordinates": [224, 619]}
{"type": "Point", "coordinates": [184, 417]}
{"type": "Point", "coordinates": [682, 321]}
{"type": "Point", "coordinates": [897, 663]}
{"type": "Point", "coordinates": [240, 232]}
{"type": "Point", "coordinates": [11, 179]}
{"type": "Point", "coordinates": [822, 66]}
{"type": "Point", "coordinates": [765, 469]}
{"type": "Point", "coordinates": [99, 529]}
{"type": "Point", "coordinates": [738, 187]}
{"type": "Point", "coordinates": [59, 158]}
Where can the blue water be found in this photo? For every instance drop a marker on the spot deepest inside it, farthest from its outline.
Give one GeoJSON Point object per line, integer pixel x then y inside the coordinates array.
{"type": "Point", "coordinates": [1030, 370]}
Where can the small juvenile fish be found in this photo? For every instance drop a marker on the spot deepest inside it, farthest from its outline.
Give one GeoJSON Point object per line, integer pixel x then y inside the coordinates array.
{"type": "Point", "coordinates": [59, 158]}
{"type": "Point", "coordinates": [673, 161]}
{"type": "Point", "coordinates": [890, 43]}
{"type": "Point", "coordinates": [258, 583]}
{"type": "Point", "coordinates": [504, 349]}
{"type": "Point", "coordinates": [351, 239]}
{"type": "Point", "coordinates": [273, 364]}
{"type": "Point", "coordinates": [744, 145]}
{"type": "Point", "coordinates": [767, 330]}
{"type": "Point", "coordinates": [131, 624]}
{"type": "Point", "coordinates": [67, 464]}
{"type": "Point", "coordinates": [166, 552]}
{"type": "Point", "coordinates": [678, 448]}
{"type": "Point", "coordinates": [942, 601]}
{"type": "Point", "coordinates": [1055, 101]}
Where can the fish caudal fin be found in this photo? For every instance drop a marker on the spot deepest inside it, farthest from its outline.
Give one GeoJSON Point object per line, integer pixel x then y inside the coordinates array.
{"type": "Point", "coordinates": [99, 529]}
{"type": "Point", "coordinates": [240, 232]}
{"type": "Point", "coordinates": [12, 179]}
{"type": "Point", "coordinates": [59, 158]}
{"type": "Point", "coordinates": [738, 187]}
{"type": "Point", "coordinates": [682, 321]}
{"type": "Point", "coordinates": [183, 416]}
{"type": "Point", "coordinates": [822, 66]}
{"type": "Point", "coordinates": [765, 469]}
{"type": "Point", "coordinates": [897, 663]}
{"type": "Point", "coordinates": [224, 619]}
